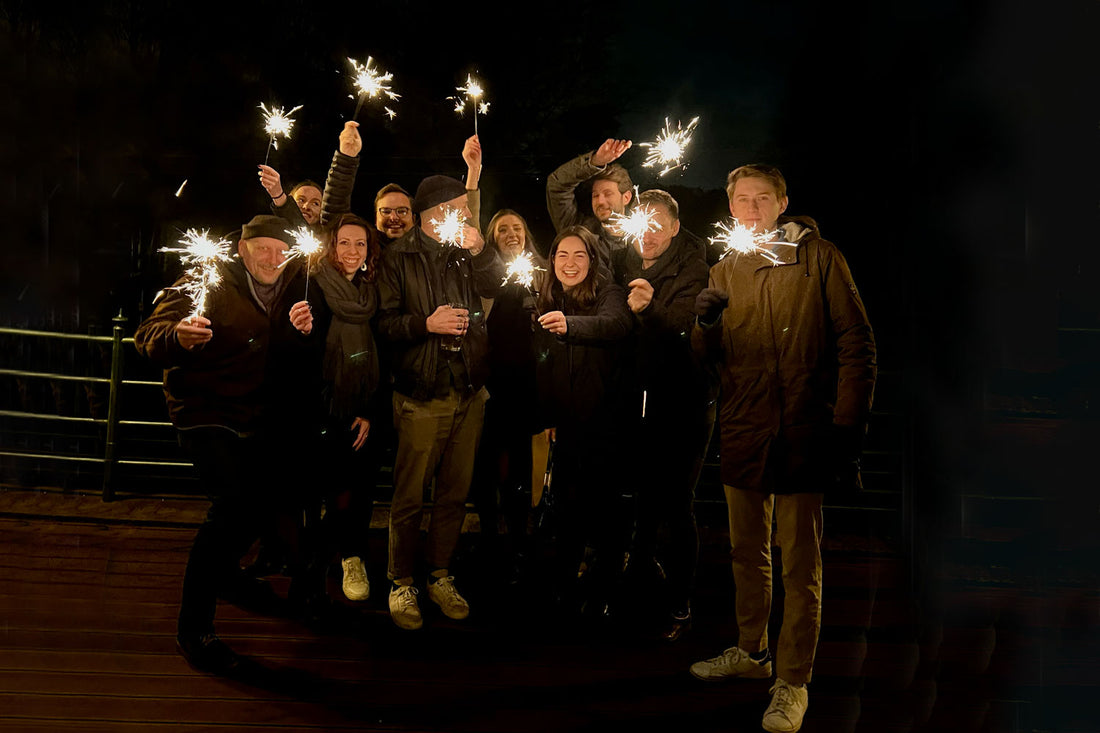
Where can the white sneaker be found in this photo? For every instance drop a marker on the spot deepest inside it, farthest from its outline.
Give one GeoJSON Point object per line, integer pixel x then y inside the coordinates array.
{"type": "Point", "coordinates": [789, 703]}
{"type": "Point", "coordinates": [356, 586]}
{"type": "Point", "coordinates": [450, 602]}
{"type": "Point", "coordinates": [734, 662]}
{"type": "Point", "coordinates": [404, 610]}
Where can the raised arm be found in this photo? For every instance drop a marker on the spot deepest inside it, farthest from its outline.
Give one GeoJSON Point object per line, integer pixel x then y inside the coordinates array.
{"type": "Point", "coordinates": [336, 198]}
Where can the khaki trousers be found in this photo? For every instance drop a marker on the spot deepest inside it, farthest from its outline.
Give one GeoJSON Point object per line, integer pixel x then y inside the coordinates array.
{"type": "Point", "coordinates": [435, 438]}
{"type": "Point", "coordinates": [798, 535]}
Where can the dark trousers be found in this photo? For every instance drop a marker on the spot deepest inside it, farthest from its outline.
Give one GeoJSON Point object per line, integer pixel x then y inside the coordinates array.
{"type": "Point", "coordinates": [348, 479]}
{"type": "Point", "coordinates": [665, 492]}
{"type": "Point", "coordinates": [234, 474]}
{"type": "Point", "coordinates": [502, 473]}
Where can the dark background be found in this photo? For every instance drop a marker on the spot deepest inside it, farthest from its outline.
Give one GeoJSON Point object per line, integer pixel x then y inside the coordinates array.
{"type": "Point", "coordinates": [947, 148]}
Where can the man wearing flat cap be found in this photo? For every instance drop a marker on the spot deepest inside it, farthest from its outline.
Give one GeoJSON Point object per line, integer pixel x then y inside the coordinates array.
{"type": "Point", "coordinates": [239, 382]}
{"type": "Point", "coordinates": [430, 313]}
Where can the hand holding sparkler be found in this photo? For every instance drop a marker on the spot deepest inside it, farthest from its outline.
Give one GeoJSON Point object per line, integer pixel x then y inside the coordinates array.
{"type": "Point", "coordinates": [669, 148]}
{"type": "Point", "coordinates": [350, 142]}
{"type": "Point", "coordinates": [555, 322]}
{"type": "Point", "coordinates": [641, 294]}
{"type": "Point", "coordinates": [709, 304]}
{"type": "Point", "coordinates": [193, 331]}
{"type": "Point", "coordinates": [272, 183]}
{"type": "Point", "coordinates": [609, 152]}
{"type": "Point", "coordinates": [301, 317]}
{"type": "Point", "coordinates": [471, 153]}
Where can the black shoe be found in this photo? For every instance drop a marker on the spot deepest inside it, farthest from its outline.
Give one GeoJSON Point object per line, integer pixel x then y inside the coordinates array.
{"type": "Point", "coordinates": [677, 626]}
{"type": "Point", "coordinates": [208, 653]}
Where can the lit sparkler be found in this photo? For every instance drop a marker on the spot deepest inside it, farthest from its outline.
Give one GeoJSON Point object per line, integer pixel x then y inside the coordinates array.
{"type": "Point", "coordinates": [452, 228]}
{"type": "Point", "coordinates": [635, 225]}
{"type": "Point", "coordinates": [277, 122]}
{"type": "Point", "coordinates": [371, 83]}
{"type": "Point", "coordinates": [521, 271]}
{"type": "Point", "coordinates": [471, 93]}
{"type": "Point", "coordinates": [669, 147]}
{"type": "Point", "coordinates": [736, 237]}
{"type": "Point", "coordinates": [306, 245]}
{"type": "Point", "coordinates": [200, 256]}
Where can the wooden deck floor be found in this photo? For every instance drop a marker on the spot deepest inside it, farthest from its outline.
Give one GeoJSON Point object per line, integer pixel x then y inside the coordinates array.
{"type": "Point", "coordinates": [89, 592]}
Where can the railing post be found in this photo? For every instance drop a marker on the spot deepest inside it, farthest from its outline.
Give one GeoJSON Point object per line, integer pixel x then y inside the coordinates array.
{"type": "Point", "coordinates": [109, 459]}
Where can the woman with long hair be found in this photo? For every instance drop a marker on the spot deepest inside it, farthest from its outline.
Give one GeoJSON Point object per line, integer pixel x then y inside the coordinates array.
{"type": "Point", "coordinates": [583, 323]}
{"type": "Point", "coordinates": [502, 481]}
{"type": "Point", "coordinates": [346, 275]}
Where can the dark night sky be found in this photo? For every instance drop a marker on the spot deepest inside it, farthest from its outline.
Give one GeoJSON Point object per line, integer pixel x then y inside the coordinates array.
{"type": "Point", "coordinates": [943, 145]}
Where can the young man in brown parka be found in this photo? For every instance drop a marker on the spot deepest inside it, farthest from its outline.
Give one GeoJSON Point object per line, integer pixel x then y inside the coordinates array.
{"type": "Point", "coordinates": [795, 354]}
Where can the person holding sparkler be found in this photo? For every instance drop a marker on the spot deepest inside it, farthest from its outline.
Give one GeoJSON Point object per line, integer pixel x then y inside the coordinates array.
{"type": "Point", "coordinates": [241, 382]}
{"type": "Point", "coordinates": [674, 405]}
{"type": "Point", "coordinates": [612, 191]}
{"type": "Point", "coordinates": [795, 355]}
{"type": "Point", "coordinates": [578, 356]}
{"type": "Point", "coordinates": [503, 473]}
{"type": "Point", "coordinates": [430, 284]}
{"type": "Point", "coordinates": [346, 275]}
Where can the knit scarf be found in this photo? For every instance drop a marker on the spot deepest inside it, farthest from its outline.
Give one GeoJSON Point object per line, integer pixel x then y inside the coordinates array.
{"type": "Point", "coordinates": [351, 360]}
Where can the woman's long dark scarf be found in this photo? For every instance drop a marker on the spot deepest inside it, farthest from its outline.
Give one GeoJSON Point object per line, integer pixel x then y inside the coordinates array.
{"type": "Point", "coordinates": [351, 359]}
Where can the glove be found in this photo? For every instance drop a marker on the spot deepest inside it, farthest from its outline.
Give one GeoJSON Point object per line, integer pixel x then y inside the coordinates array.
{"type": "Point", "coordinates": [709, 304]}
{"type": "Point", "coordinates": [846, 448]}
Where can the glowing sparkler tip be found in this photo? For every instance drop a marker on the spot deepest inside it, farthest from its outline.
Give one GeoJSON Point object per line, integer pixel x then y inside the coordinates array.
{"type": "Point", "coordinates": [669, 148]}
{"type": "Point", "coordinates": [200, 255]}
{"type": "Point", "coordinates": [735, 237]}
{"type": "Point", "coordinates": [521, 270]}
{"type": "Point", "coordinates": [451, 229]}
{"type": "Point", "coordinates": [636, 224]}
{"type": "Point", "coordinates": [278, 122]}
{"type": "Point", "coordinates": [370, 82]}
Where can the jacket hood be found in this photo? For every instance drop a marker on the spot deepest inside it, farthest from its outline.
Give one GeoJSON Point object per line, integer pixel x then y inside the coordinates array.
{"type": "Point", "coordinates": [797, 228]}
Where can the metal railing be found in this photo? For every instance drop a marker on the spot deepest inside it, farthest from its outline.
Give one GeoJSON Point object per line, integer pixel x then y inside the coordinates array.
{"type": "Point", "coordinates": [110, 460]}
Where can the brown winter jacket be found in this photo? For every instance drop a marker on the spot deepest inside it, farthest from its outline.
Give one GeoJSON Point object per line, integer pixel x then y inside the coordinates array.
{"type": "Point", "coordinates": [795, 354]}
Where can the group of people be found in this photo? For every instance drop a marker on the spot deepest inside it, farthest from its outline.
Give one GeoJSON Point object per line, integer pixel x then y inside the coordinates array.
{"type": "Point", "coordinates": [608, 372]}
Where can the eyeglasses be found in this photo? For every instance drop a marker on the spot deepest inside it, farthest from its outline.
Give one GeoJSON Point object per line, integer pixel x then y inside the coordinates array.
{"type": "Point", "coordinates": [402, 211]}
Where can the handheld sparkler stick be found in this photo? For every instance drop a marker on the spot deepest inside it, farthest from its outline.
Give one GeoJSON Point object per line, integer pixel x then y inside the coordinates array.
{"type": "Point", "coordinates": [200, 256]}
{"type": "Point", "coordinates": [669, 148]}
{"type": "Point", "coordinates": [371, 83]}
{"type": "Point", "coordinates": [277, 122]}
{"type": "Point", "coordinates": [471, 93]}
{"type": "Point", "coordinates": [306, 245]}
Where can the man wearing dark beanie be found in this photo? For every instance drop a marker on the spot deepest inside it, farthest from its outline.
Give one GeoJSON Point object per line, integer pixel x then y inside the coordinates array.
{"type": "Point", "coordinates": [237, 379]}
{"type": "Point", "coordinates": [430, 313]}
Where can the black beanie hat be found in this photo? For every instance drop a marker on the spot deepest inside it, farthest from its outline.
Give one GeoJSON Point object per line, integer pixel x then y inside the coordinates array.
{"type": "Point", "coordinates": [435, 190]}
{"type": "Point", "coordinates": [266, 225]}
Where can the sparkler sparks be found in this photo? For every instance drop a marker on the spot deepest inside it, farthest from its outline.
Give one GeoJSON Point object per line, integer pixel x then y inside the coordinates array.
{"type": "Point", "coordinates": [669, 148]}
{"type": "Point", "coordinates": [635, 225]}
{"type": "Point", "coordinates": [200, 256]}
{"type": "Point", "coordinates": [277, 123]}
{"type": "Point", "coordinates": [472, 93]}
{"type": "Point", "coordinates": [306, 245]}
{"type": "Point", "coordinates": [452, 228]}
{"type": "Point", "coordinates": [736, 237]}
{"type": "Point", "coordinates": [370, 83]}
{"type": "Point", "coordinates": [521, 271]}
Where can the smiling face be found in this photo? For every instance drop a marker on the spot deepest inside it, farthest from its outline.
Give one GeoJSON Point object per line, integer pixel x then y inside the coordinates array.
{"type": "Point", "coordinates": [263, 257]}
{"type": "Point", "coordinates": [308, 199]}
{"type": "Point", "coordinates": [510, 235]}
{"type": "Point", "coordinates": [351, 249]}
{"type": "Point", "coordinates": [571, 262]}
{"type": "Point", "coordinates": [607, 200]}
{"type": "Point", "coordinates": [755, 203]}
{"type": "Point", "coordinates": [393, 215]}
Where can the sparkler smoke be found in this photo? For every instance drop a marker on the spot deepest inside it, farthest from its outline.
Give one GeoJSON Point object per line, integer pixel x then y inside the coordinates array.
{"type": "Point", "coordinates": [669, 147]}
{"type": "Point", "coordinates": [276, 123]}
{"type": "Point", "coordinates": [200, 255]}
{"type": "Point", "coordinates": [306, 245]}
{"type": "Point", "coordinates": [471, 93]}
{"type": "Point", "coordinates": [736, 237]}
{"type": "Point", "coordinates": [452, 228]}
{"type": "Point", "coordinates": [370, 83]}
